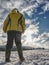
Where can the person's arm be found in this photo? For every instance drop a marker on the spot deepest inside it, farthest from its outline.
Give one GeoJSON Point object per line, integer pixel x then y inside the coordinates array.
{"type": "Point", "coordinates": [23, 23]}
{"type": "Point", "coordinates": [5, 24]}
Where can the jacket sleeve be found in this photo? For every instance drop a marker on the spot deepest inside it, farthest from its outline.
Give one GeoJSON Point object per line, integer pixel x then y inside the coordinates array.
{"type": "Point", "coordinates": [5, 24]}
{"type": "Point", "coordinates": [23, 23]}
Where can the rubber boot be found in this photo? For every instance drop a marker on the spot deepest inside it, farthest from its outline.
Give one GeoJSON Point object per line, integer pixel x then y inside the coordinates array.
{"type": "Point", "coordinates": [7, 55]}
{"type": "Point", "coordinates": [20, 53]}
{"type": "Point", "coordinates": [21, 57]}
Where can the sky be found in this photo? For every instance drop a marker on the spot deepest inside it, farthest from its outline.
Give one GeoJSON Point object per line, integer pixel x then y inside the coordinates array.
{"type": "Point", "coordinates": [36, 14]}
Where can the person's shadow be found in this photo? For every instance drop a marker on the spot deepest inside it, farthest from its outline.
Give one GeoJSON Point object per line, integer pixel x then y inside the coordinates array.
{"type": "Point", "coordinates": [18, 63]}
{"type": "Point", "coordinates": [3, 63]}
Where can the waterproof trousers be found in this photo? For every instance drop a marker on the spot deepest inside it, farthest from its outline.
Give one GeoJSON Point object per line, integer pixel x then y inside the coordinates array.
{"type": "Point", "coordinates": [13, 35]}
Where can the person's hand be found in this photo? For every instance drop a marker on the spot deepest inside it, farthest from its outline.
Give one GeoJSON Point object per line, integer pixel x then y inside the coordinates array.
{"type": "Point", "coordinates": [23, 32]}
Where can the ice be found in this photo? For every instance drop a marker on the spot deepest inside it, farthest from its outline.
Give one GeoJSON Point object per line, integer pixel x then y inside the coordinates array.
{"type": "Point", "coordinates": [32, 57]}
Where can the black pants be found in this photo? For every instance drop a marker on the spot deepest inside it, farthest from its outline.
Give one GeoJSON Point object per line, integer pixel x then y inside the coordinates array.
{"type": "Point", "coordinates": [13, 35]}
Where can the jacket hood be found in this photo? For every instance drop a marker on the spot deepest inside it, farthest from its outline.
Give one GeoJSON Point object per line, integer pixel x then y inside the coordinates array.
{"type": "Point", "coordinates": [14, 10]}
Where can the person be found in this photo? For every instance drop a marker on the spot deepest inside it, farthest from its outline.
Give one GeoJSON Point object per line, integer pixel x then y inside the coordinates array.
{"type": "Point", "coordinates": [14, 26]}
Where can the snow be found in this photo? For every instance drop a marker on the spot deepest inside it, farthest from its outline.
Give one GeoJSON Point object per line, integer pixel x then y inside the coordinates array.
{"type": "Point", "coordinates": [32, 57]}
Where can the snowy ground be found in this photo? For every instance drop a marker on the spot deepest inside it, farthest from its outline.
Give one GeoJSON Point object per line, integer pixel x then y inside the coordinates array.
{"type": "Point", "coordinates": [32, 57]}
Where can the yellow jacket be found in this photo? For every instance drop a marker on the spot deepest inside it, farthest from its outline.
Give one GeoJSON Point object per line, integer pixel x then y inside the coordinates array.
{"type": "Point", "coordinates": [13, 23]}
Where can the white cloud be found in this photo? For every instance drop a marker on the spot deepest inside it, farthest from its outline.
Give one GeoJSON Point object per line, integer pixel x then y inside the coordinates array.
{"type": "Point", "coordinates": [29, 12]}
{"type": "Point", "coordinates": [21, 5]}
{"type": "Point", "coordinates": [1, 10]}
{"type": "Point", "coordinates": [40, 41]}
{"type": "Point", "coordinates": [46, 7]}
{"type": "Point", "coordinates": [28, 21]}
{"type": "Point", "coordinates": [11, 4]}
{"type": "Point", "coordinates": [44, 35]}
{"type": "Point", "coordinates": [29, 9]}
{"type": "Point", "coordinates": [39, 1]}
{"type": "Point", "coordinates": [32, 29]}
{"type": "Point", "coordinates": [40, 13]}
{"type": "Point", "coordinates": [44, 17]}
{"type": "Point", "coordinates": [35, 19]}
{"type": "Point", "coordinates": [42, 1]}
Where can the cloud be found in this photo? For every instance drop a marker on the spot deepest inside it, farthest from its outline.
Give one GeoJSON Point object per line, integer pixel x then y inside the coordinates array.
{"type": "Point", "coordinates": [30, 8]}
{"type": "Point", "coordinates": [39, 1]}
{"type": "Point", "coordinates": [42, 37]}
{"type": "Point", "coordinates": [28, 40]}
{"type": "Point", "coordinates": [40, 13]}
{"type": "Point", "coordinates": [35, 19]}
{"type": "Point", "coordinates": [44, 17]}
{"type": "Point", "coordinates": [46, 7]}
{"type": "Point", "coordinates": [1, 10]}
{"type": "Point", "coordinates": [43, 40]}
{"type": "Point", "coordinates": [22, 6]}
{"type": "Point", "coordinates": [11, 4]}
{"type": "Point", "coordinates": [39, 41]}
{"type": "Point", "coordinates": [28, 21]}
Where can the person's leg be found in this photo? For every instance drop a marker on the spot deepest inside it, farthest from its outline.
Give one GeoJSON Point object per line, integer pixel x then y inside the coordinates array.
{"type": "Point", "coordinates": [8, 46]}
{"type": "Point", "coordinates": [19, 46]}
